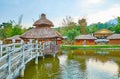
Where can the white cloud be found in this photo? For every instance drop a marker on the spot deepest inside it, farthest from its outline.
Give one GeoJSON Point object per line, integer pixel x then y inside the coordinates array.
{"type": "Point", "coordinates": [87, 4]}
{"type": "Point", "coordinates": [93, 1]}
{"type": "Point", "coordinates": [103, 16]}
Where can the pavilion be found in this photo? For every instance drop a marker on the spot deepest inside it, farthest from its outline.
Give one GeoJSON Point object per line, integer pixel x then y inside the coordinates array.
{"type": "Point", "coordinates": [42, 31]}
{"type": "Point", "coordinates": [103, 33]}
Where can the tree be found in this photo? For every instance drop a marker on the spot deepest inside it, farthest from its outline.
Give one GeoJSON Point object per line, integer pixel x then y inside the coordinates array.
{"type": "Point", "coordinates": [16, 30]}
{"type": "Point", "coordinates": [83, 25]}
{"type": "Point", "coordinates": [72, 34]}
{"type": "Point", "coordinates": [117, 28]}
{"type": "Point", "coordinates": [9, 29]}
{"type": "Point", "coordinates": [92, 28]}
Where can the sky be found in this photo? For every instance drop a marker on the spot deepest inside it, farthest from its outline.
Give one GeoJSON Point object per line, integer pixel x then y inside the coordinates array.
{"type": "Point", "coordinates": [93, 10]}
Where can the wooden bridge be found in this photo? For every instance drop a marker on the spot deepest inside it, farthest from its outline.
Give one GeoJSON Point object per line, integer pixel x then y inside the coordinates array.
{"type": "Point", "coordinates": [15, 56]}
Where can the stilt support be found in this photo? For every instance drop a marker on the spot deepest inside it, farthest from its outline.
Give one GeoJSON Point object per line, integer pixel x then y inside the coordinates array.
{"type": "Point", "coordinates": [22, 72]}
{"type": "Point", "coordinates": [36, 60]}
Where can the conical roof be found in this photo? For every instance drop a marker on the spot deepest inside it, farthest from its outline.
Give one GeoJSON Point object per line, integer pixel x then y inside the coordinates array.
{"type": "Point", "coordinates": [42, 30]}
{"type": "Point", "coordinates": [104, 31]}
{"type": "Point", "coordinates": [41, 33]}
{"type": "Point", "coordinates": [43, 21]}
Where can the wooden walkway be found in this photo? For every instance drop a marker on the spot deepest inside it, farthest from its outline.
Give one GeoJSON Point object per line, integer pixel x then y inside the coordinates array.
{"type": "Point", "coordinates": [15, 56]}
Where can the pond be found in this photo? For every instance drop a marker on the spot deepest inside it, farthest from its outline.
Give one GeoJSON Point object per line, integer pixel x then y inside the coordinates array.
{"type": "Point", "coordinates": [76, 64]}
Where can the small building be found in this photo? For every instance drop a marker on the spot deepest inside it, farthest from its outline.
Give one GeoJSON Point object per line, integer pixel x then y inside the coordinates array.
{"type": "Point", "coordinates": [103, 33]}
{"type": "Point", "coordinates": [84, 40]}
{"type": "Point", "coordinates": [42, 31]}
{"type": "Point", "coordinates": [59, 41]}
{"type": "Point", "coordinates": [114, 39]}
{"type": "Point", "coordinates": [15, 39]}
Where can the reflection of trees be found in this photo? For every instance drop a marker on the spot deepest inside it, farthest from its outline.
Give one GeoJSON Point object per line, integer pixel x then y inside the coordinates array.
{"type": "Point", "coordinates": [83, 52]}
{"type": "Point", "coordinates": [47, 68]}
{"type": "Point", "coordinates": [70, 54]}
{"type": "Point", "coordinates": [81, 60]}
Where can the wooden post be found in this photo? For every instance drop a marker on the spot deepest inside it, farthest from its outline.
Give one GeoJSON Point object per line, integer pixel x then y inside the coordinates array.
{"type": "Point", "coordinates": [1, 48]}
{"type": "Point", "coordinates": [13, 42]}
{"type": "Point", "coordinates": [31, 47]}
{"type": "Point", "coordinates": [36, 59]}
{"type": "Point", "coordinates": [9, 63]}
{"type": "Point", "coordinates": [23, 60]}
{"type": "Point", "coordinates": [43, 47]}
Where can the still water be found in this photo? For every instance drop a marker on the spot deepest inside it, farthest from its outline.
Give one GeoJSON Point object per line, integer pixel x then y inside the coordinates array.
{"type": "Point", "coordinates": [76, 64]}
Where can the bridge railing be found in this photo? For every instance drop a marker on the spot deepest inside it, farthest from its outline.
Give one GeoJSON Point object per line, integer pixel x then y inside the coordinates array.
{"type": "Point", "coordinates": [14, 57]}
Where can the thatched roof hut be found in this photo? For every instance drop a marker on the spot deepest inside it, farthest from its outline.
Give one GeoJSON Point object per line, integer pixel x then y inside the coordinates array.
{"type": "Point", "coordinates": [103, 33]}
{"type": "Point", "coordinates": [85, 37]}
{"type": "Point", "coordinates": [85, 40]}
{"type": "Point", "coordinates": [42, 30]}
{"type": "Point", "coordinates": [114, 36]}
{"type": "Point", "coordinates": [15, 38]}
{"type": "Point", "coordinates": [114, 39]}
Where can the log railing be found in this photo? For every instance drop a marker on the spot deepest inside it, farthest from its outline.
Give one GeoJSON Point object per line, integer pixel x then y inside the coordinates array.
{"type": "Point", "coordinates": [15, 56]}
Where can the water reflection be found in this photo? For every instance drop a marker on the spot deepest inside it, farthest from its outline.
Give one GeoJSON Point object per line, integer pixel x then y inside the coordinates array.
{"type": "Point", "coordinates": [77, 64]}
{"type": "Point", "coordinates": [100, 70]}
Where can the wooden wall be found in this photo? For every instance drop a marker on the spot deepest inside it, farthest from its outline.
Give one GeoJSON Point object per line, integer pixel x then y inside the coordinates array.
{"type": "Point", "coordinates": [59, 42]}
{"type": "Point", "coordinates": [114, 41]}
{"type": "Point", "coordinates": [87, 42]}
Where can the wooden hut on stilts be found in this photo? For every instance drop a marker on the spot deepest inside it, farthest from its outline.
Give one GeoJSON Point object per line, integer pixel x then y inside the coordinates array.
{"type": "Point", "coordinates": [42, 31]}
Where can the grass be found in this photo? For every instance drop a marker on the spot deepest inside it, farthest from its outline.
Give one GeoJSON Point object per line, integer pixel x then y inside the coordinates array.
{"type": "Point", "coordinates": [90, 46]}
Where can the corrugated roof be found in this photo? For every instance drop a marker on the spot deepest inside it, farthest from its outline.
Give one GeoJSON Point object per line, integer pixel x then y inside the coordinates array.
{"type": "Point", "coordinates": [114, 36]}
{"type": "Point", "coordinates": [103, 31]}
{"type": "Point", "coordinates": [85, 37]}
{"type": "Point", "coordinates": [43, 21]}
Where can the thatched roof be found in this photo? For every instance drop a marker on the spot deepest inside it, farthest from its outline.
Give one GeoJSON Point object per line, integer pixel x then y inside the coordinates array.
{"type": "Point", "coordinates": [85, 37]}
{"type": "Point", "coordinates": [114, 36]}
{"type": "Point", "coordinates": [43, 21]}
{"type": "Point", "coordinates": [104, 31]}
{"type": "Point", "coordinates": [42, 30]}
{"type": "Point", "coordinates": [41, 33]}
{"type": "Point", "coordinates": [16, 37]}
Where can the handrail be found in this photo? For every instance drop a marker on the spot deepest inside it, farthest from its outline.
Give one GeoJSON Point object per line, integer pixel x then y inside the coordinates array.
{"type": "Point", "coordinates": [15, 56]}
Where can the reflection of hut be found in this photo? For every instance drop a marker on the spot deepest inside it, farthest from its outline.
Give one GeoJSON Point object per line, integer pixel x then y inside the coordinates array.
{"type": "Point", "coordinates": [114, 39]}
{"type": "Point", "coordinates": [15, 38]}
{"type": "Point", "coordinates": [42, 31]}
{"type": "Point", "coordinates": [85, 40]}
{"type": "Point", "coordinates": [103, 33]}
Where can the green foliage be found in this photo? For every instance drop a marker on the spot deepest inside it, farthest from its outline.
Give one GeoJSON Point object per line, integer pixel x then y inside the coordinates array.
{"type": "Point", "coordinates": [90, 47]}
{"type": "Point", "coordinates": [117, 28]}
{"type": "Point", "coordinates": [72, 34]}
{"type": "Point", "coordinates": [9, 29]}
{"type": "Point", "coordinates": [92, 28]}
{"type": "Point", "coordinates": [16, 30]}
